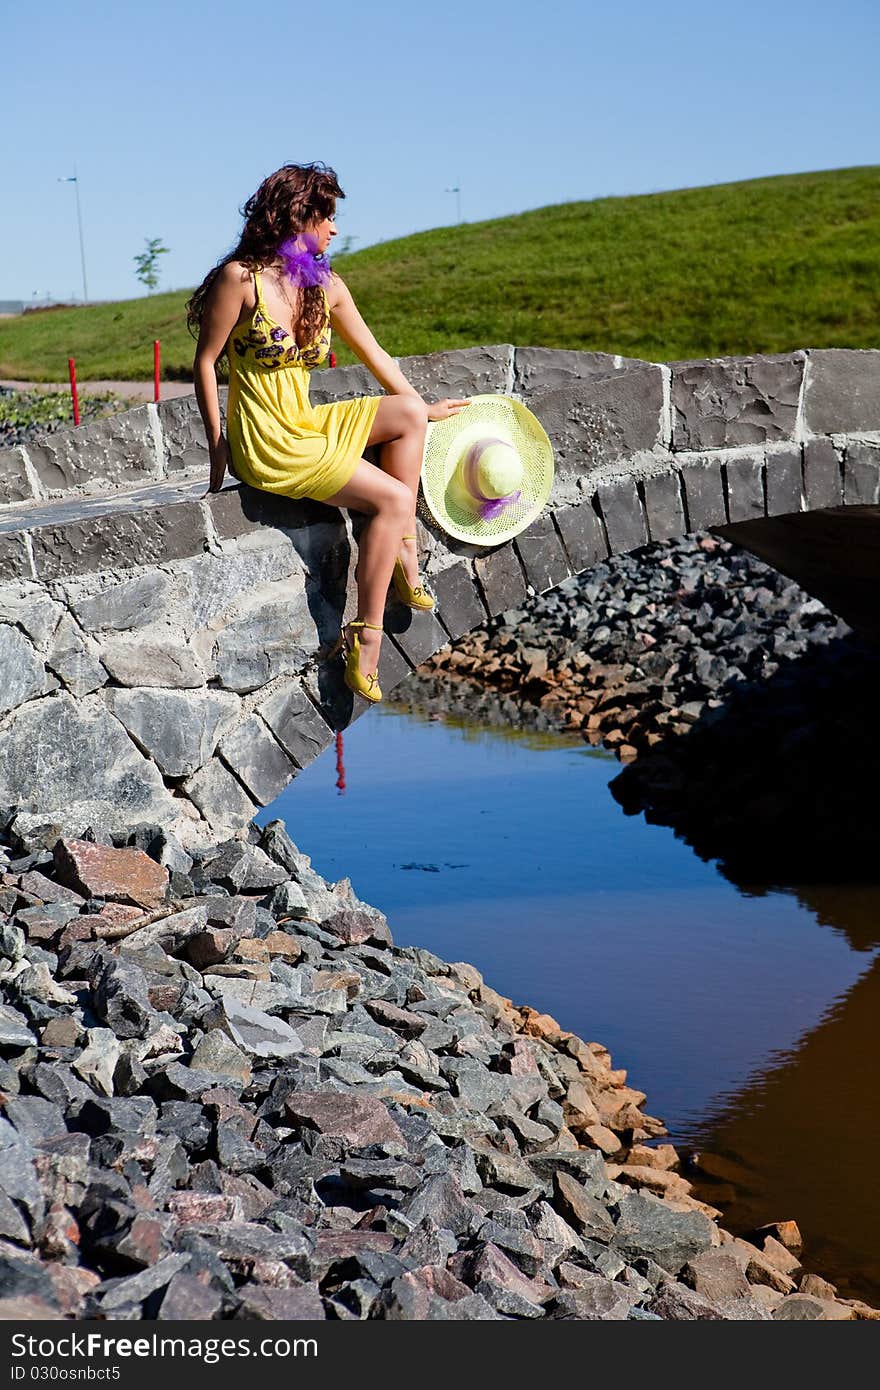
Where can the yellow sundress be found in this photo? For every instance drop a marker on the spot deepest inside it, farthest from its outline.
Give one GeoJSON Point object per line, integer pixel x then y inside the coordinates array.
{"type": "Point", "coordinates": [278, 440]}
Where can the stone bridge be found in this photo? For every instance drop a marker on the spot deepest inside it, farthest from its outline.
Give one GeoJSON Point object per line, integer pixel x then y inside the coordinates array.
{"type": "Point", "coordinates": [160, 649]}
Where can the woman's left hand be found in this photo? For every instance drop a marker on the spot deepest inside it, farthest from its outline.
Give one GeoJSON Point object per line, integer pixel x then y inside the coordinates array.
{"type": "Point", "coordinates": [441, 410]}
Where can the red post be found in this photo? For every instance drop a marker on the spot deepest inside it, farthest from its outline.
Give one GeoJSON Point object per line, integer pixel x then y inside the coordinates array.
{"type": "Point", "coordinates": [71, 367]}
{"type": "Point", "coordinates": [156, 369]}
{"type": "Point", "coordinates": [333, 359]}
{"type": "Point", "coordinates": [340, 763]}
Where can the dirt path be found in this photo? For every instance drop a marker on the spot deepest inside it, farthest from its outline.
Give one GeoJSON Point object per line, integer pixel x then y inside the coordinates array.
{"type": "Point", "coordinates": [130, 390]}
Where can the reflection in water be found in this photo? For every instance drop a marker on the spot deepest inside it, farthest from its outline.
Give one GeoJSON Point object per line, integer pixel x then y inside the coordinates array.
{"type": "Point", "coordinates": [769, 788]}
{"type": "Point", "coordinates": [809, 1130]}
{"type": "Point", "coordinates": [733, 1008]}
{"type": "Point", "coordinates": [779, 785]}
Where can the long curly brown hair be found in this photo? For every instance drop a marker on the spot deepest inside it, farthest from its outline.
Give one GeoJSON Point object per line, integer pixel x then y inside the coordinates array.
{"type": "Point", "coordinates": [283, 205]}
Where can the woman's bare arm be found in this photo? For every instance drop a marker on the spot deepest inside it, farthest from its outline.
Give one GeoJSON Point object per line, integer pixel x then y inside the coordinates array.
{"type": "Point", "coordinates": [222, 312]}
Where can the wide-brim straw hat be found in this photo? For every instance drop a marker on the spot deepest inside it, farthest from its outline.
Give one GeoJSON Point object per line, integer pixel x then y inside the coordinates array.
{"type": "Point", "coordinates": [487, 471]}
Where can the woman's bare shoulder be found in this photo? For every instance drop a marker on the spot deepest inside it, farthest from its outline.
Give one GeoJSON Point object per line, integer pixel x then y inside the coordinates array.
{"type": "Point", "coordinates": [234, 287]}
{"type": "Point", "coordinates": [336, 289]}
{"type": "Point", "coordinates": [234, 273]}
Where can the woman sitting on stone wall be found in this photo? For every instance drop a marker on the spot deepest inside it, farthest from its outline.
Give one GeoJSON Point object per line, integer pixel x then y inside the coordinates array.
{"type": "Point", "coordinates": [269, 307]}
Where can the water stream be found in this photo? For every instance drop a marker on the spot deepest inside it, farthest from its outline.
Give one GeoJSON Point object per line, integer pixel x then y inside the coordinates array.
{"type": "Point", "coordinates": [746, 1015]}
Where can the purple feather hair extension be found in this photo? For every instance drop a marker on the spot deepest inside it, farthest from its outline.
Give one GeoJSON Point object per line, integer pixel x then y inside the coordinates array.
{"type": "Point", "coordinates": [301, 264]}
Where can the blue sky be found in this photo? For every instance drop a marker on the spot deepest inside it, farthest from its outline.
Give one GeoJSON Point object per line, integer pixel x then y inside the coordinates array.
{"type": "Point", "coordinates": [172, 113]}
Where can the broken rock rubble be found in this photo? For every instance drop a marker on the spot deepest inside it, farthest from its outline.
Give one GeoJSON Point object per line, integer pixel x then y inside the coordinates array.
{"type": "Point", "coordinates": [236, 1098]}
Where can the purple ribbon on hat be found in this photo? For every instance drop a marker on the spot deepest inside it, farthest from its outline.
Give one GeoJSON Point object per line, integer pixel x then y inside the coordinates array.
{"type": "Point", "coordinates": [490, 507]}
{"type": "Point", "coordinates": [301, 264]}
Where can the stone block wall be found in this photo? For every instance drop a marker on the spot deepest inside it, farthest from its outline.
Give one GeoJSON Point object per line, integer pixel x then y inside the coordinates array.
{"type": "Point", "coordinates": [161, 650]}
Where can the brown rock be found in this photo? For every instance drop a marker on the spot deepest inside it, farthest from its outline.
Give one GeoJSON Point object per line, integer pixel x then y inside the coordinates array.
{"type": "Point", "coordinates": [490, 1263]}
{"type": "Point", "coordinates": [776, 1253]}
{"type": "Point", "coordinates": [189, 1299]}
{"type": "Point", "coordinates": [716, 1276]}
{"type": "Point", "coordinates": [60, 1234]}
{"type": "Point", "coordinates": [240, 970]}
{"type": "Point", "coordinates": [80, 929]}
{"type": "Point", "coordinates": [349, 980]}
{"type": "Point", "coordinates": [618, 1108]}
{"type": "Point", "coordinates": [166, 995]}
{"type": "Point", "coordinates": [594, 1065]}
{"type": "Point", "coordinates": [359, 1120]}
{"type": "Point", "coordinates": [28, 1308]}
{"type": "Point", "coordinates": [786, 1232]}
{"type": "Point", "coordinates": [817, 1287]}
{"type": "Point", "coordinates": [61, 1031]}
{"type": "Point", "coordinates": [766, 1297]}
{"type": "Point", "coordinates": [71, 1283]}
{"type": "Point", "coordinates": [120, 914]}
{"type": "Point", "coordinates": [659, 1180]}
{"type": "Point", "coordinates": [122, 875]}
{"type": "Point", "coordinates": [468, 976]}
{"type": "Point", "coordinates": [413, 1294]}
{"type": "Point", "coordinates": [675, 1302]}
{"type": "Point", "coordinates": [209, 947]}
{"type": "Point", "coordinates": [602, 1138]}
{"type": "Point", "coordinates": [801, 1307]}
{"type": "Point", "coordinates": [683, 1201]}
{"type": "Point", "coordinates": [409, 1025]}
{"type": "Point", "coordinates": [335, 1247]}
{"type": "Point", "coordinates": [141, 1196]}
{"type": "Point", "coordinates": [353, 927]}
{"type": "Point", "coordinates": [862, 1310]}
{"type": "Point", "coordinates": [663, 1156]}
{"type": "Point", "coordinates": [275, 1274]}
{"type": "Point", "coordinates": [573, 1276]}
{"type": "Point", "coordinates": [648, 1127]}
{"type": "Point", "coordinates": [46, 889]}
{"type": "Point", "coordinates": [281, 1305]}
{"type": "Point", "coordinates": [190, 1208]}
{"type": "Point", "coordinates": [539, 1025]}
{"type": "Point", "coordinates": [282, 945]}
{"type": "Point", "coordinates": [499, 1003]}
{"type": "Point", "coordinates": [566, 1141]}
{"type": "Point", "coordinates": [45, 928]}
{"type": "Point", "coordinates": [758, 1269]}
{"type": "Point", "coordinates": [250, 948]}
{"type": "Point", "coordinates": [578, 1107]}
{"type": "Point", "coordinates": [144, 1243]}
{"type": "Point", "coordinates": [252, 1195]}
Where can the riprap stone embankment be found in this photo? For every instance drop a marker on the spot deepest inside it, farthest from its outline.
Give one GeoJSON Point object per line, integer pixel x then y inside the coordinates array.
{"type": "Point", "coordinates": [227, 1094]}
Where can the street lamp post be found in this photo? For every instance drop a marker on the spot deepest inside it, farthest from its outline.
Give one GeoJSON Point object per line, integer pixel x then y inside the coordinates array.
{"type": "Point", "coordinates": [72, 178]}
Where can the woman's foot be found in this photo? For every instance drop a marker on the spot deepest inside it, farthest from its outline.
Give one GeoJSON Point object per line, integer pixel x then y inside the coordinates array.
{"type": "Point", "coordinates": [369, 646]}
{"type": "Point", "coordinates": [409, 558]}
{"type": "Point", "coordinates": [408, 583]}
{"type": "Point", "coordinates": [361, 641]}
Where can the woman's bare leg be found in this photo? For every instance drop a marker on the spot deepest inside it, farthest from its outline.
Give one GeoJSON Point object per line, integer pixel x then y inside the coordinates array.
{"type": "Point", "coordinates": [399, 426]}
{"type": "Point", "coordinates": [388, 503]}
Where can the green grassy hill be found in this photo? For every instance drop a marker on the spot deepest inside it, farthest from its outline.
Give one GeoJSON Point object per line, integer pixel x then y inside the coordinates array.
{"type": "Point", "coordinates": [760, 266]}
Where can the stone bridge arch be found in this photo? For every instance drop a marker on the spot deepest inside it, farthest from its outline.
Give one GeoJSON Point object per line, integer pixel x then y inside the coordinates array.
{"type": "Point", "coordinates": [160, 649]}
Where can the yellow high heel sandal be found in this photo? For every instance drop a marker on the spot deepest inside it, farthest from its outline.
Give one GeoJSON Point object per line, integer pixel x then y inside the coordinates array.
{"type": "Point", "coordinates": [417, 597]}
{"type": "Point", "coordinates": [365, 685]}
